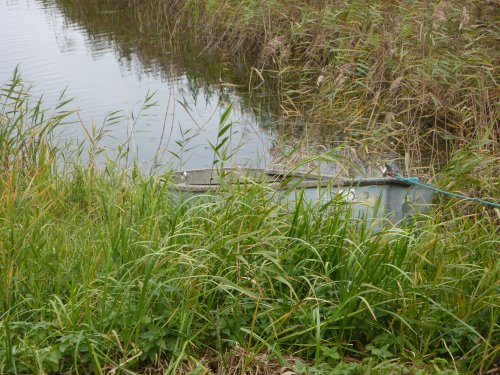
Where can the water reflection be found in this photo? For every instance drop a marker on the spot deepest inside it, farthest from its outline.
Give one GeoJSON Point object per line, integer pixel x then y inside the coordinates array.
{"type": "Point", "coordinates": [110, 57]}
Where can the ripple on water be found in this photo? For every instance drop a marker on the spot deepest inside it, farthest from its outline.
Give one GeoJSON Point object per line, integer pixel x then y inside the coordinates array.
{"type": "Point", "coordinates": [55, 53]}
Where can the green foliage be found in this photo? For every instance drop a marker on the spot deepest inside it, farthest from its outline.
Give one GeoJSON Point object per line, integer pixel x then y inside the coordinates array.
{"type": "Point", "coordinates": [106, 271]}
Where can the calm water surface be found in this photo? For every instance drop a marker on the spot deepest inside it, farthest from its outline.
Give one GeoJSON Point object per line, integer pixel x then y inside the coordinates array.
{"type": "Point", "coordinates": [107, 65]}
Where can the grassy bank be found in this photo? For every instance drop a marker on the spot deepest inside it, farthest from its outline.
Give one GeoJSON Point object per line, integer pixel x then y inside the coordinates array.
{"type": "Point", "coordinates": [104, 271]}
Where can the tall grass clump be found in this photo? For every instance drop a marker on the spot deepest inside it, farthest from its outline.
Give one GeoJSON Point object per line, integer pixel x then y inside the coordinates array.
{"type": "Point", "coordinates": [103, 271]}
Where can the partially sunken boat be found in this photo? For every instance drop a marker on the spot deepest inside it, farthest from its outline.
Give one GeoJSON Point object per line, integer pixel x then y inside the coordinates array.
{"type": "Point", "coordinates": [379, 197]}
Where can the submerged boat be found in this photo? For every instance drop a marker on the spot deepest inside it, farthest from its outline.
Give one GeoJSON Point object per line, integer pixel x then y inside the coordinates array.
{"type": "Point", "coordinates": [375, 197]}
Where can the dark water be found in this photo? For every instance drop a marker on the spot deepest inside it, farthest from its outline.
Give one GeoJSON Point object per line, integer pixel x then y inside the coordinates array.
{"type": "Point", "coordinates": [109, 61]}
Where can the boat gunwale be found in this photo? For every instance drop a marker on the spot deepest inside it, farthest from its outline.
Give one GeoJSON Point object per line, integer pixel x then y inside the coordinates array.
{"type": "Point", "coordinates": [309, 180]}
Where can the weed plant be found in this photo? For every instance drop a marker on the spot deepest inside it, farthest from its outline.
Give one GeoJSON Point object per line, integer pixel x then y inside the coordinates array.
{"type": "Point", "coordinates": [103, 271]}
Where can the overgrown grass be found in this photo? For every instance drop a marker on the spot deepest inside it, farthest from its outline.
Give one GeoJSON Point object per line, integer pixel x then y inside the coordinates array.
{"type": "Point", "coordinates": [104, 271]}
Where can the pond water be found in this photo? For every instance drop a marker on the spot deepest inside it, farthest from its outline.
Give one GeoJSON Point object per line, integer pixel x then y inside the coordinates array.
{"type": "Point", "coordinates": [106, 61]}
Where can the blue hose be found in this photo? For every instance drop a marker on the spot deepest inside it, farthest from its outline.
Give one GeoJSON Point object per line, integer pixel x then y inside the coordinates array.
{"type": "Point", "coordinates": [415, 181]}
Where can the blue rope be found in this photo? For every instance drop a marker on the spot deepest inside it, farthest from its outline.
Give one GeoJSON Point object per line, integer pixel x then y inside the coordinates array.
{"type": "Point", "coordinates": [415, 181]}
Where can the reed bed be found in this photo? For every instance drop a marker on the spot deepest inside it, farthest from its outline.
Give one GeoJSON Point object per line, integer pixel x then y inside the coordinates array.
{"type": "Point", "coordinates": [107, 271]}
{"type": "Point", "coordinates": [415, 77]}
